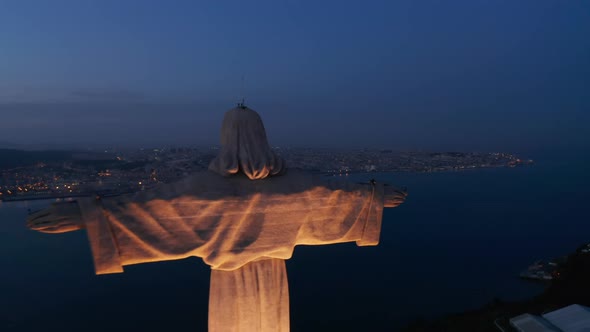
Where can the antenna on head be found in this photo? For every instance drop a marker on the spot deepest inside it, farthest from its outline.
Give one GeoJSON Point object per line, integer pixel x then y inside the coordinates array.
{"type": "Point", "coordinates": [242, 104]}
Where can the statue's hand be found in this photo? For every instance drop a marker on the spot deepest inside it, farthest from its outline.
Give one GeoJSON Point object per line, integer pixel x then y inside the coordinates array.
{"type": "Point", "coordinates": [58, 218]}
{"type": "Point", "coordinates": [393, 197]}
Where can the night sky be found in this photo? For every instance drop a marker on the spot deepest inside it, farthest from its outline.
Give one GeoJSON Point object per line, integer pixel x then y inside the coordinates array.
{"type": "Point", "coordinates": [455, 75]}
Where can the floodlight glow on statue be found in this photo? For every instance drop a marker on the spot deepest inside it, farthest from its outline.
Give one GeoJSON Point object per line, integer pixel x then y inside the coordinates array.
{"type": "Point", "coordinates": [243, 217]}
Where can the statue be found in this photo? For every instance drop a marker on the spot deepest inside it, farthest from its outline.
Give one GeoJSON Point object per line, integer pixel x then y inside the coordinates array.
{"type": "Point", "coordinates": [243, 217]}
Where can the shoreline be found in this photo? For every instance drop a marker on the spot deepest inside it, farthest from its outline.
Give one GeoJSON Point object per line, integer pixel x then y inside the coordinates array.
{"type": "Point", "coordinates": [35, 197]}
{"type": "Point", "coordinates": [571, 289]}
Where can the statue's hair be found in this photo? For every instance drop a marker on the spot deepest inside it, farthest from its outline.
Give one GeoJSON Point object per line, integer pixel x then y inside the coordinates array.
{"type": "Point", "coordinates": [244, 147]}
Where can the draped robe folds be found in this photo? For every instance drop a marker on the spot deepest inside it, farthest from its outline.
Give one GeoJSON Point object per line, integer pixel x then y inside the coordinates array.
{"type": "Point", "coordinates": [244, 147]}
{"type": "Point", "coordinates": [237, 226]}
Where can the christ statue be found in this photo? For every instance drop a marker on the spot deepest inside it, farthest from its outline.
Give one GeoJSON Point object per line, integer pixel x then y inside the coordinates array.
{"type": "Point", "coordinates": [243, 217]}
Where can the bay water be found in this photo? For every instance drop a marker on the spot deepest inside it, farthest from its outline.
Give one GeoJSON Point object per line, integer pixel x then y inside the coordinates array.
{"type": "Point", "coordinates": [458, 242]}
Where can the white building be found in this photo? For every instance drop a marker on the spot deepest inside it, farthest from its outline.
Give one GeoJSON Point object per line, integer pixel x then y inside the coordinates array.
{"type": "Point", "coordinates": [573, 318]}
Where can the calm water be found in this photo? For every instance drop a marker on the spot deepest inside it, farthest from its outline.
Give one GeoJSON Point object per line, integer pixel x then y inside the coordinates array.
{"type": "Point", "coordinates": [459, 241]}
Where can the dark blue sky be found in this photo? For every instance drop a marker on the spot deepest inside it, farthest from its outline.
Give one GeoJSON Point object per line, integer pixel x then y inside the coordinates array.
{"type": "Point", "coordinates": [460, 75]}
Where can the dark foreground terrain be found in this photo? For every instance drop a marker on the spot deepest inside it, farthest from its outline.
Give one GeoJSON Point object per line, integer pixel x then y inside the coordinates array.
{"type": "Point", "coordinates": [572, 287]}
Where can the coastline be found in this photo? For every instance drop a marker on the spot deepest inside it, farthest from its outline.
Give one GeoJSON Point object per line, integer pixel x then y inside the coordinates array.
{"type": "Point", "coordinates": [571, 289]}
{"type": "Point", "coordinates": [43, 196]}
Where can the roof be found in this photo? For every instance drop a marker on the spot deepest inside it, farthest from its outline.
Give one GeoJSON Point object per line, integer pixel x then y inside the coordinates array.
{"type": "Point", "coordinates": [573, 318]}
{"type": "Point", "coordinates": [531, 323]}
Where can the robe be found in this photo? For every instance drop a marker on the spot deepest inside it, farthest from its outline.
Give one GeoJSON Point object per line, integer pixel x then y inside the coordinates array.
{"type": "Point", "coordinates": [243, 229]}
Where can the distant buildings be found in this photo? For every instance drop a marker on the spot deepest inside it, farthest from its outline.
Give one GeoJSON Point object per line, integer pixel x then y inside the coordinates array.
{"type": "Point", "coordinates": [118, 171]}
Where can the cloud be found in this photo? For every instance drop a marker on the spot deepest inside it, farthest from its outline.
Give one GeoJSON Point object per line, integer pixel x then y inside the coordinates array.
{"type": "Point", "coordinates": [108, 95]}
{"type": "Point", "coordinates": [49, 94]}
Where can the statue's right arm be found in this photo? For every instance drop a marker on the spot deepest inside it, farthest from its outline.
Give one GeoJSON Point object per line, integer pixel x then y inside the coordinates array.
{"type": "Point", "coordinates": [393, 197]}
{"type": "Point", "coordinates": [57, 218]}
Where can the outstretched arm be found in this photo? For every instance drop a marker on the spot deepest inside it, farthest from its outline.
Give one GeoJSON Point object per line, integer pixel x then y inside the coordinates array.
{"type": "Point", "coordinates": [65, 216]}
{"type": "Point", "coordinates": [57, 218]}
{"type": "Point", "coordinates": [227, 222]}
{"type": "Point", "coordinates": [393, 197]}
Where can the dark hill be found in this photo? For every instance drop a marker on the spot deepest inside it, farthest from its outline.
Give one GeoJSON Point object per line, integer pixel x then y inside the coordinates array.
{"type": "Point", "coordinates": [571, 288]}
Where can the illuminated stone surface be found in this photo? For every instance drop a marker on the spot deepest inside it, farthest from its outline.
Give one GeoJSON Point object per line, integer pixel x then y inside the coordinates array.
{"type": "Point", "coordinates": [254, 297]}
{"type": "Point", "coordinates": [244, 147]}
{"type": "Point", "coordinates": [230, 221]}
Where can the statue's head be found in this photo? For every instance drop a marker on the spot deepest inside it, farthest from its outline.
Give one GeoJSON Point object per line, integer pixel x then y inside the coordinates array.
{"type": "Point", "coordinates": [244, 147]}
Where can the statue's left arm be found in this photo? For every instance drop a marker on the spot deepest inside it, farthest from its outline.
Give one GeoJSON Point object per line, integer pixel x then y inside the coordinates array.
{"type": "Point", "coordinates": [167, 222]}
